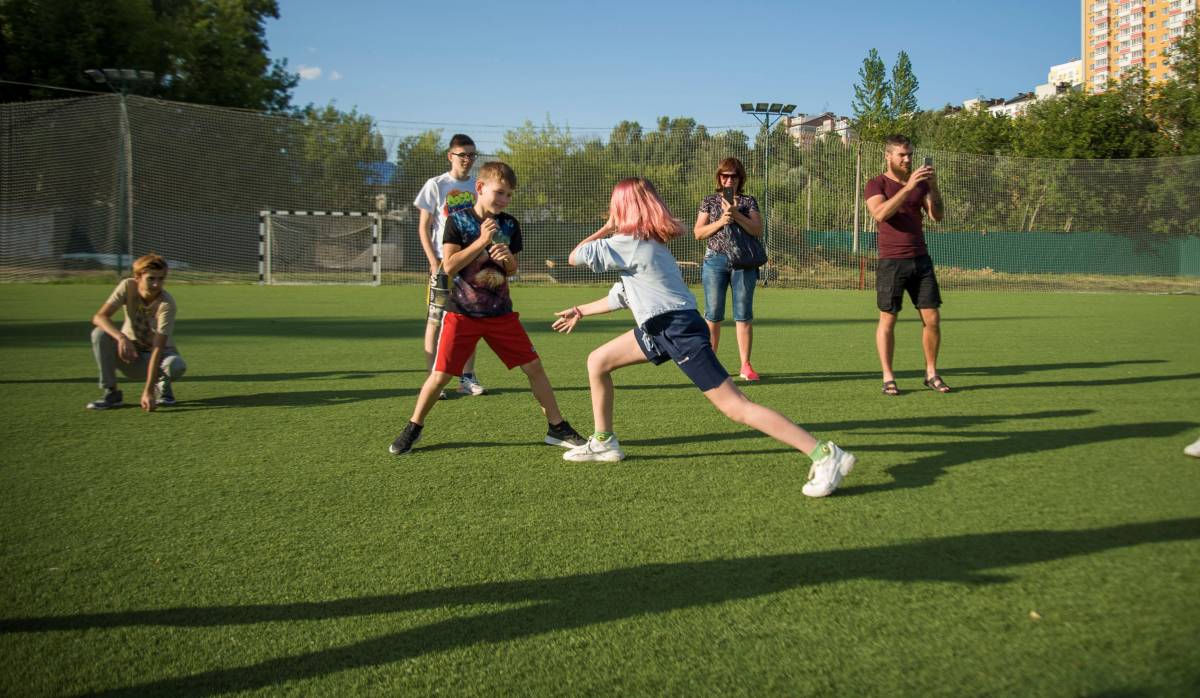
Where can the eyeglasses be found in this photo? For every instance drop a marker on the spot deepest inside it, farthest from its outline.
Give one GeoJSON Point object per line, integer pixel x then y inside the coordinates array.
{"type": "Point", "coordinates": [466, 157]}
{"type": "Point", "coordinates": [727, 175]}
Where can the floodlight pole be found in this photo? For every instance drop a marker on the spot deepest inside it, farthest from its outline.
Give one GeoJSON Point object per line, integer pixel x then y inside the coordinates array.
{"type": "Point", "coordinates": [124, 78]}
{"type": "Point", "coordinates": [767, 114]}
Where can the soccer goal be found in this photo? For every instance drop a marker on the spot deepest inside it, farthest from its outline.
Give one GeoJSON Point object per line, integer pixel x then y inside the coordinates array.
{"type": "Point", "coordinates": [318, 247]}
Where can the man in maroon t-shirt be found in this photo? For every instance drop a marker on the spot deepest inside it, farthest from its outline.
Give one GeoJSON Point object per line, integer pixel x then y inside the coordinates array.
{"type": "Point", "coordinates": [897, 199]}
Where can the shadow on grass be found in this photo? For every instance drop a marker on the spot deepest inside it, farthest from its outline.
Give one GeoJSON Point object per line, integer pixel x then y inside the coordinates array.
{"type": "Point", "coordinates": [910, 380]}
{"type": "Point", "coordinates": [565, 603]}
{"type": "Point", "coordinates": [298, 398]}
{"type": "Point", "coordinates": [950, 443]}
{"type": "Point", "coordinates": [54, 333]}
{"type": "Point", "coordinates": [78, 332]}
{"type": "Point", "coordinates": [982, 446]}
{"type": "Point", "coordinates": [348, 374]}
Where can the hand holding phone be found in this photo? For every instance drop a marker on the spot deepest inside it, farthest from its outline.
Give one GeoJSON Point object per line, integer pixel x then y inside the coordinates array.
{"type": "Point", "coordinates": [928, 161]}
{"type": "Point", "coordinates": [727, 192]}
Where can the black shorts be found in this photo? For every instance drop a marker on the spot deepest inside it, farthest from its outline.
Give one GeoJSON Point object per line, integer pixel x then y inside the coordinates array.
{"type": "Point", "coordinates": [895, 276]}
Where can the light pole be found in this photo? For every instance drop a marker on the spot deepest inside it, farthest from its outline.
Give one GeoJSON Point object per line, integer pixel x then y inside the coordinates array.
{"type": "Point", "coordinates": [767, 114]}
{"type": "Point", "coordinates": [120, 80]}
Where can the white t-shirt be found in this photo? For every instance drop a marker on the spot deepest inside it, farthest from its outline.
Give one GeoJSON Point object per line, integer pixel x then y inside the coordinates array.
{"type": "Point", "coordinates": [441, 196]}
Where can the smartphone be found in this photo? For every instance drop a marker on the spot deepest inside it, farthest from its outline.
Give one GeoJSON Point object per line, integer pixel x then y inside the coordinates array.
{"type": "Point", "coordinates": [928, 161]}
{"type": "Point", "coordinates": [727, 192]}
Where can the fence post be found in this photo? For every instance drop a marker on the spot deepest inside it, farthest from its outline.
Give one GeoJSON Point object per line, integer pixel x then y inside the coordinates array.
{"type": "Point", "coordinates": [857, 193]}
{"type": "Point", "coordinates": [125, 188]}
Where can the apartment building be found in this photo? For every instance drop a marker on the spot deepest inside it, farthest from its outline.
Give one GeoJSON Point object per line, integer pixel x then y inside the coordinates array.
{"type": "Point", "coordinates": [806, 128]}
{"type": "Point", "coordinates": [1118, 36]}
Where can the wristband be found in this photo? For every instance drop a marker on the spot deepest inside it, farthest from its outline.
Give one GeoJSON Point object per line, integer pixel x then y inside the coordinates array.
{"type": "Point", "coordinates": [578, 312]}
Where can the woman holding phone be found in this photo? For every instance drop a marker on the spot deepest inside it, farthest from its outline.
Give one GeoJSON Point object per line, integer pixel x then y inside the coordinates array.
{"type": "Point", "coordinates": [722, 215]}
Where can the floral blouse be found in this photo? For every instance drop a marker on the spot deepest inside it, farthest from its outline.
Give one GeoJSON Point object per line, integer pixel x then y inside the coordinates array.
{"type": "Point", "coordinates": [722, 240]}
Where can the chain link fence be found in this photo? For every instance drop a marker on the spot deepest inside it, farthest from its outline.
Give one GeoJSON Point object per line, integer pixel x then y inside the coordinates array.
{"type": "Point", "coordinates": [87, 184]}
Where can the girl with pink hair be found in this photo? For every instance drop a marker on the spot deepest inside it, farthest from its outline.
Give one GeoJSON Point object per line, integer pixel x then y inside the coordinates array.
{"type": "Point", "coordinates": [632, 242]}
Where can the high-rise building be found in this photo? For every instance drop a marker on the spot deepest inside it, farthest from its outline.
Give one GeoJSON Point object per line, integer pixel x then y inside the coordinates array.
{"type": "Point", "coordinates": [1128, 34]}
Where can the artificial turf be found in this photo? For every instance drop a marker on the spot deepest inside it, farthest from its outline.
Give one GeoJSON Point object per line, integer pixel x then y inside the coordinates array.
{"type": "Point", "coordinates": [1035, 532]}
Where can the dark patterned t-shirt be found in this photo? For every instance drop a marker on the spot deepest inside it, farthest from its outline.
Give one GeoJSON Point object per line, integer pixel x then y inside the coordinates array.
{"type": "Point", "coordinates": [722, 240]}
{"type": "Point", "coordinates": [480, 289]}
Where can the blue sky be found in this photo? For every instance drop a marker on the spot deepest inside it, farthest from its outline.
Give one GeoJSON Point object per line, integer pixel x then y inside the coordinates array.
{"type": "Point", "coordinates": [589, 65]}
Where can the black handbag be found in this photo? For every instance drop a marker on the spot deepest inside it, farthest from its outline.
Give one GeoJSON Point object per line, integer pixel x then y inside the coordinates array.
{"type": "Point", "coordinates": [745, 250]}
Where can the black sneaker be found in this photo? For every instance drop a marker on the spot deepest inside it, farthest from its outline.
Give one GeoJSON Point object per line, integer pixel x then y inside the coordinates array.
{"type": "Point", "coordinates": [563, 434]}
{"type": "Point", "coordinates": [407, 439]}
{"type": "Point", "coordinates": [163, 394]}
{"type": "Point", "coordinates": [112, 398]}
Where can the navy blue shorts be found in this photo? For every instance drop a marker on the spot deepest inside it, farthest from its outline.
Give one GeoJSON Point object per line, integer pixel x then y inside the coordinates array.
{"type": "Point", "coordinates": [682, 336]}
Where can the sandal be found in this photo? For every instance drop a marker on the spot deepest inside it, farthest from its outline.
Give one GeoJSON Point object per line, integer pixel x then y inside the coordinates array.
{"type": "Point", "coordinates": [890, 388]}
{"type": "Point", "coordinates": [935, 382]}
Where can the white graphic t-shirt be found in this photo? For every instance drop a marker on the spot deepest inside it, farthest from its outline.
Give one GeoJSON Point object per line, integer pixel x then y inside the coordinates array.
{"type": "Point", "coordinates": [442, 196]}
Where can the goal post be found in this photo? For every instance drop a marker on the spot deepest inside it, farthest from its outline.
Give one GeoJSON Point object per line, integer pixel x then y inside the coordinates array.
{"type": "Point", "coordinates": [319, 247]}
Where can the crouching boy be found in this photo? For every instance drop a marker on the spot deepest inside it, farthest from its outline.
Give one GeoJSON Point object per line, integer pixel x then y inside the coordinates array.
{"type": "Point", "coordinates": [142, 349]}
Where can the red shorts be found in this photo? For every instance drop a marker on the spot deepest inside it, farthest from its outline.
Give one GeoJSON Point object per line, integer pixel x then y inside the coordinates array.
{"type": "Point", "coordinates": [459, 335]}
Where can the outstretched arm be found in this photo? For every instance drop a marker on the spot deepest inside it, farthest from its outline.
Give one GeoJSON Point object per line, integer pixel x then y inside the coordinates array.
{"type": "Point", "coordinates": [567, 319]}
{"type": "Point", "coordinates": [605, 230]}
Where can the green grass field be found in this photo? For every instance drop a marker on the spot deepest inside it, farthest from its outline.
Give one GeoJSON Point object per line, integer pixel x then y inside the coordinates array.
{"type": "Point", "coordinates": [1036, 532]}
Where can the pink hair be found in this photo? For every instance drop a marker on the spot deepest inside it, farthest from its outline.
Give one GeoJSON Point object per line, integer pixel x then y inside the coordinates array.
{"type": "Point", "coordinates": [637, 209]}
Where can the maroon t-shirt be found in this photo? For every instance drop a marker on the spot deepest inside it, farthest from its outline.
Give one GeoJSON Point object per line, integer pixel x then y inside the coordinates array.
{"type": "Point", "coordinates": [902, 236]}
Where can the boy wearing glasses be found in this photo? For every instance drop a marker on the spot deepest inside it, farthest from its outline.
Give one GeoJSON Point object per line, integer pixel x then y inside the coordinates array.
{"type": "Point", "coordinates": [440, 197]}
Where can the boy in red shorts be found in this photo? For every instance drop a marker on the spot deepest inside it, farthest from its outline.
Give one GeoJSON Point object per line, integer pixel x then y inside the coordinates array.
{"type": "Point", "coordinates": [479, 252]}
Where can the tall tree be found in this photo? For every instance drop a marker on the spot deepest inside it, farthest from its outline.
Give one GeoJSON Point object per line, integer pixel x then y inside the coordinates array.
{"type": "Point", "coordinates": [1112, 124]}
{"type": "Point", "coordinates": [1176, 104]}
{"type": "Point", "coordinates": [871, 92]}
{"type": "Point", "coordinates": [207, 51]}
{"type": "Point", "coordinates": [336, 150]}
{"type": "Point", "coordinates": [903, 97]}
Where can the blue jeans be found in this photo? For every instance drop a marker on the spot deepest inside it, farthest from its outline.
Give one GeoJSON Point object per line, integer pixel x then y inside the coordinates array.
{"type": "Point", "coordinates": [718, 276]}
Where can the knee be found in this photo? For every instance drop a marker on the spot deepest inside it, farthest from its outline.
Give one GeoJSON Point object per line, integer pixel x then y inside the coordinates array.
{"type": "Point", "coordinates": [534, 368]}
{"type": "Point", "coordinates": [173, 367]}
{"type": "Point", "coordinates": [440, 379]}
{"type": "Point", "coordinates": [99, 336]}
{"type": "Point", "coordinates": [596, 364]}
{"type": "Point", "coordinates": [737, 409]}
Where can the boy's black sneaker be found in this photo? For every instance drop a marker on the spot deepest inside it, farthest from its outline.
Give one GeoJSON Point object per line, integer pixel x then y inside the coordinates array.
{"type": "Point", "coordinates": [404, 443]}
{"type": "Point", "coordinates": [112, 398]}
{"type": "Point", "coordinates": [563, 434]}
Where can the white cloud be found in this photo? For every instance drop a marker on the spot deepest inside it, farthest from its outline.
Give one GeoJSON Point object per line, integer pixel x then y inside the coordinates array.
{"type": "Point", "coordinates": [335, 75]}
{"type": "Point", "coordinates": [309, 72]}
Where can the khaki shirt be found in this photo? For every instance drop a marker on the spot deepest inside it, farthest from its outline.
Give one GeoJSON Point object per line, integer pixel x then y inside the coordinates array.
{"type": "Point", "coordinates": [144, 322]}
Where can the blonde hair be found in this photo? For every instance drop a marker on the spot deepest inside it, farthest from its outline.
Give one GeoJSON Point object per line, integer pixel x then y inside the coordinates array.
{"type": "Point", "coordinates": [149, 261]}
{"type": "Point", "coordinates": [497, 171]}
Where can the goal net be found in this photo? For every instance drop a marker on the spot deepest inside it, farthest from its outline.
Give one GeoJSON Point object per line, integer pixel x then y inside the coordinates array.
{"type": "Point", "coordinates": [318, 247]}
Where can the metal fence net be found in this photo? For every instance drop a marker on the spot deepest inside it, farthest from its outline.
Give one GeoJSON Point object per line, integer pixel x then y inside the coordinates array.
{"type": "Point", "coordinates": [86, 183]}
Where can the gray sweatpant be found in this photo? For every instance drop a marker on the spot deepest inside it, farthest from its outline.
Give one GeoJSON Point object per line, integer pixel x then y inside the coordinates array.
{"type": "Point", "coordinates": [105, 350]}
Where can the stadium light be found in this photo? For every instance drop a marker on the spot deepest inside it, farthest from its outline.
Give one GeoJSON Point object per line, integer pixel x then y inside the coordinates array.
{"type": "Point", "coordinates": [120, 81]}
{"type": "Point", "coordinates": [767, 113]}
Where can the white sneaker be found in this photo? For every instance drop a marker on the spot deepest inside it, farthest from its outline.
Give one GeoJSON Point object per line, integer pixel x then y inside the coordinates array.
{"type": "Point", "coordinates": [826, 474]}
{"type": "Point", "coordinates": [470, 386]}
{"type": "Point", "coordinates": [609, 451]}
{"type": "Point", "coordinates": [1193, 450]}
